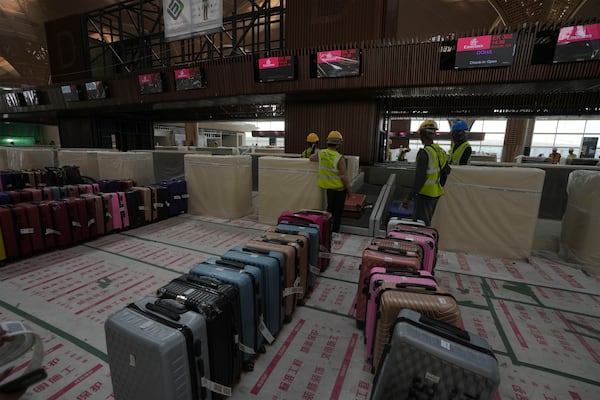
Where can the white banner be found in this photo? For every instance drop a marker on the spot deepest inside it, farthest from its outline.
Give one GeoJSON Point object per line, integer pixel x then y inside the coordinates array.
{"type": "Point", "coordinates": [187, 18]}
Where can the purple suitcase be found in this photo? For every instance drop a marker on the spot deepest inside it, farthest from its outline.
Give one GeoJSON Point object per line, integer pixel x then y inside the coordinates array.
{"type": "Point", "coordinates": [378, 275]}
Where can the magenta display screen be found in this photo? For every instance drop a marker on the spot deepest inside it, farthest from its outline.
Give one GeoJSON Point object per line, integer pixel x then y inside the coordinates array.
{"type": "Point", "coordinates": [578, 43]}
{"type": "Point", "coordinates": [485, 51]}
{"type": "Point", "coordinates": [189, 78]}
{"type": "Point", "coordinates": [272, 69]}
{"type": "Point", "coordinates": [150, 83]}
{"type": "Point", "coordinates": [336, 63]}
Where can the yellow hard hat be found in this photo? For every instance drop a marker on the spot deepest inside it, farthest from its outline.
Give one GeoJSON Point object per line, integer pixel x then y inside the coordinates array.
{"type": "Point", "coordinates": [312, 138]}
{"type": "Point", "coordinates": [429, 124]}
{"type": "Point", "coordinates": [334, 137]}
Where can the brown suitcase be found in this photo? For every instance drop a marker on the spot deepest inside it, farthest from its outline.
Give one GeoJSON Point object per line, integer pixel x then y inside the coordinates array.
{"type": "Point", "coordinates": [392, 297]}
{"type": "Point", "coordinates": [148, 204]}
{"type": "Point", "coordinates": [302, 239]}
{"type": "Point", "coordinates": [403, 244]}
{"type": "Point", "coordinates": [399, 257]}
{"type": "Point", "coordinates": [291, 285]}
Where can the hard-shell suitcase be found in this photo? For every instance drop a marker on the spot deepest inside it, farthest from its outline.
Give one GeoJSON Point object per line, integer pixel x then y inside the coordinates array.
{"type": "Point", "coordinates": [429, 246]}
{"type": "Point", "coordinates": [55, 176]}
{"type": "Point", "coordinates": [61, 223]}
{"type": "Point", "coordinates": [411, 225]}
{"type": "Point", "coordinates": [272, 285]}
{"type": "Point", "coordinates": [135, 208]}
{"type": "Point", "coordinates": [406, 245]}
{"type": "Point", "coordinates": [10, 234]}
{"type": "Point", "coordinates": [302, 244]}
{"type": "Point", "coordinates": [95, 188]}
{"type": "Point", "coordinates": [126, 184]}
{"type": "Point", "coordinates": [72, 190]}
{"type": "Point", "coordinates": [108, 185]}
{"type": "Point", "coordinates": [313, 247]}
{"type": "Point", "coordinates": [247, 279]}
{"type": "Point", "coordinates": [33, 227]}
{"type": "Point", "coordinates": [291, 282]}
{"type": "Point", "coordinates": [4, 198]}
{"type": "Point", "coordinates": [436, 303]}
{"type": "Point", "coordinates": [36, 194]}
{"type": "Point", "coordinates": [72, 174]}
{"type": "Point", "coordinates": [398, 257]}
{"type": "Point", "coordinates": [113, 220]}
{"type": "Point", "coordinates": [178, 196]}
{"type": "Point", "coordinates": [160, 198]}
{"type": "Point", "coordinates": [123, 210]}
{"type": "Point", "coordinates": [56, 192]}
{"type": "Point", "coordinates": [85, 188]}
{"type": "Point", "coordinates": [157, 349]}
{"type": "Point", "coordinates": [2, 249]}
{"type": "Point", "coordinates": [78, 218]}
{"type": "Point", "coordinates": [146, 206]}
{"type": "Point", "coordinates": [47, 194]}
{"type": "Point", "coordinates": [218, 302]}
{"type": "Point", "coordinates": [325, 221]}
{"type": "Point", "coordinates": [95, 205]}
{"type": "Point", "coordinates": [14, 196]}
{"type": "Point", "coordinates": [375, 280]}
{"type": "Point", "coordinates": [397, 209]}
{"type": "Point", "coordinates": [22, 229]}
{"type": "Point", "coordinates": [354, 205]}
{"type": "Point", "coordinates": [319, 222]}
{"type": "Point", "coordinates": [426, 359]}
{"type": "Point", "coordinates": [49, 232]}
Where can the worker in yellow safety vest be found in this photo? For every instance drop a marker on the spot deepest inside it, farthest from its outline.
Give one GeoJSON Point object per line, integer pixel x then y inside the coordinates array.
{"type": "Point", "coordinates": [333, 178]}
{"type": "Point", "coordinates": [312, 139]}
{"type": "Point", "coordinates": [460, 149]}
{"type": "Point", "coordinates": [427, 188]}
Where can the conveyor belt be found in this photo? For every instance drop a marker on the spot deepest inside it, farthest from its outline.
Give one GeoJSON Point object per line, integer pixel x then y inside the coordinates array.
{"type": "Point", "coordinates": [372, 192]}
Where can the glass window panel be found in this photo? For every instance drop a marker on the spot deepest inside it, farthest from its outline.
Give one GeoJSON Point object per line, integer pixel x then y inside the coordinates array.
{"type": "Point", "coordinates": [497, 150]}
{"type": "Point", "coordinates": [543, 151]}
{"type": "Point", "coordinates": [565, 141]}
{"type": "Point", "coordinates": [493, 139]}
{"type": "Point", "coordinates": [543, 140]}
{"type": "Point", "coordinates": [494, 125]}
{"type": "Point", "coordinates": [477, 126]}
{"type": "Point", "coordinates": [570, 126]}
{"type": "Point", "coordinates": [545, 126]}
{"type": "Point", "coordinates": [592, 126]}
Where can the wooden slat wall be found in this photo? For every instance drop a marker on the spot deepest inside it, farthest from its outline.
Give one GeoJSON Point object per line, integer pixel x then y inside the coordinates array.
{"type": "Point", "coordinates": [357, 121]}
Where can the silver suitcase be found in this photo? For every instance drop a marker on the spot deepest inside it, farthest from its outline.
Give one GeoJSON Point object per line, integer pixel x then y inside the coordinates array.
{"type": "Point", "coordinates": [158, 350]}
{"type": "Point", "coordinates": [428, 359]}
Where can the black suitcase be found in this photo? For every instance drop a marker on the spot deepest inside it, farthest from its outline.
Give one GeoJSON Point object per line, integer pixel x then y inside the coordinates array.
{"type": "Point", "coordinates": [219, 303]}
{"type": "Point", "coordinates": [429, 359]}
{"type": "Point", "coordinates": [135, 208]}
{"type": "Point", "coordinates": [160, 202]}
{"type": "Point", "coordinates": [157, 349]}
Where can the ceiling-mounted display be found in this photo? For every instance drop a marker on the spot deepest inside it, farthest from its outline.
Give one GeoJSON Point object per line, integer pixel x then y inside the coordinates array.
{"type": "Point", "coordinates": [189, 78]}
{"type": "Point", "coordinates": [150, 83]}
{"type": "Point", "coordinates": [14, 99]}
{"type": "Point", "coordinates": [32, 97]}
{"type": "Point", "coordinates": [188, 18]}
{"type": "Point", "coordinates": [578, 43]}
{"type": "Point", "coordinates": [485, 51]}
{"type": "Point", "coordinates": [70, 92]}
{"type": "Point", "coordinates": [272, 69]}
{"type": "Point", "coordinates": [336, 63]}
{"type": "Point", "coordinates": [96, 90]}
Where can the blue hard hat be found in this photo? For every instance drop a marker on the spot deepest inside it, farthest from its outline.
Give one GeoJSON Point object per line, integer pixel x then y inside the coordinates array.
{"type": "Point", "coordinates": [459, 125]}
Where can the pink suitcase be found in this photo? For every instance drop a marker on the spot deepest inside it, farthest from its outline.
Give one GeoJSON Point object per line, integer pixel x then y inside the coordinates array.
{"type": "Point", "coordinates": [429, 245]}
{"type": "Point", "coordinates": [123, 209]}
{"type": "Point", "coordinates": [401, 278]}
{"type": "Point", "coordinates": [95, 188]}
{"type": "Point", "coordinates": [320, 218]}
{"type": "Point", "coordinates": [113, 211]}
{"type": "Point", "coordinates": [85, 188]}
{"type": "Point", "coordinates": [413, 226]}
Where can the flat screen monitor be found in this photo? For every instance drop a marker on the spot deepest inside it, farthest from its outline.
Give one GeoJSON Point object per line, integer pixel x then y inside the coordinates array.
{"type": "Point", "coordinates": [336, 63]}
{"type": "Point", "coordinates": [32, 97]}
{"type": "Point", "coordinates": [150, 83]}
{"type": "Point", "coordinates": [70, 92]}
{"type": "Point", "coordinates": [272, 69]}
{"type": "Point", "coordinates": [578, 43]}
{"type": "Point", "coordinates": [189, 78]}
{"type": "Point", "coordinates": [95, 90]}
{"type": "Point", "coordinates": [485, 51]}
{"type": "Point", "coordinates": [14, 99]}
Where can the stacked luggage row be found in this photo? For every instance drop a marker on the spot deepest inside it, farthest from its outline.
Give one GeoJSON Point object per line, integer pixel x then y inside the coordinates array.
{"type": "Point", "coordinates": [33, 220]}
{"type": "Point", "coordinates": [196, 334]}
{"type": "Point", "coordinates": [414, 342]}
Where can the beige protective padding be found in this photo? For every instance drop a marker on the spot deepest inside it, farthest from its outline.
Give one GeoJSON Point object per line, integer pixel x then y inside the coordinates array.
{"type": "Point", "coordinates": [219, 186]}
{"type": "Point", "coordinates": [353, 166]}
{"type": "Point", "coordinates": [87, 161]}
{"type": "Point", "coordinates": [490, 211]}
{"type": "Point", "coordinates": [579, 234]}
{"type": "Point", "coordinates": [130, 165]}
{"type": "Point", "coordinates": [3, 159]}
{"type": "Point", "coordinates": [24, 158]}
{"type": "Point", "coordinates": [287, 184]}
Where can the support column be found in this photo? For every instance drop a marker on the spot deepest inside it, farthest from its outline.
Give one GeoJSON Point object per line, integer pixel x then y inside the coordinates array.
{"type": "Point", "coordinates": [191, 134]}
{"type": "Point", "coordinates": [517, 138]}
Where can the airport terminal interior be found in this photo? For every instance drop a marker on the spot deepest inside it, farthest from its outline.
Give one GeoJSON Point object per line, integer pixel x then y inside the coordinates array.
{"type": "Point", "coordinates": [223, 98]}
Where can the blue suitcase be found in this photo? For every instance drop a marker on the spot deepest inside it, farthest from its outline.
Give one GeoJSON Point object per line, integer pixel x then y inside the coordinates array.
{"type": "Point", "coordinates": [108, 185]}
{"type": "Point", "coordinates": [397, 210]}
{"type": "Point", "coordinates": [247, 279]}
{"type": "Point", "coordinates": [178, 196]}
{"type": "Point", "coordinates": [272, 284]}
{"type": "Point", "coordinates": [313, 254]}
{"type": "Point", "coordinates": [4, 198]}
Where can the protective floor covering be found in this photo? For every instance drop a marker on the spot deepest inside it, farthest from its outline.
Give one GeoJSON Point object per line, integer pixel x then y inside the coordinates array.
{"type": "Point", "coordinates": [542, 318]}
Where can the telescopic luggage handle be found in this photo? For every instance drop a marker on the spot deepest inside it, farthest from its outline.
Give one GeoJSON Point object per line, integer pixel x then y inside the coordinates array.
{"type": "Point", "coordinates": [231, 263]}
{"type": "Point", "coordinates": [443, 326]}
{"type": "Point", "coordinates": [204, 281]}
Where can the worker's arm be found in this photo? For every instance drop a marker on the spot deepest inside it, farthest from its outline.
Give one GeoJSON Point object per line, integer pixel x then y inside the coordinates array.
{"type": "Point", "coordinates": [343, 173]}
{"type": "Point", "coordinates": [314, 157]}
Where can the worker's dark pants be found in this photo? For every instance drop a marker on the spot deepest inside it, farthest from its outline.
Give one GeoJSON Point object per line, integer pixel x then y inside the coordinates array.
{"type": "Point", "coordinates": [424, 208]}
{"type": "Point", "coordinates": [335, 205]}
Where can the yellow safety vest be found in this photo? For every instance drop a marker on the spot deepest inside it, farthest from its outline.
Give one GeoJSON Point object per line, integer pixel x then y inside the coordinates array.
{"type": "Point", "coordinates": [328, 171]}
{"type": "Point", "coordinates": [436, 156]}
{"type": "Point", "coordinates": [306, 153]}
{"type": "Point", "coordinates": [457, 153]}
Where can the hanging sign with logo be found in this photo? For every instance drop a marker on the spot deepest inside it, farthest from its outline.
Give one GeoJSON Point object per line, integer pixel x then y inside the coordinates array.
{"type": "Point", "coordinates": [187, 18]}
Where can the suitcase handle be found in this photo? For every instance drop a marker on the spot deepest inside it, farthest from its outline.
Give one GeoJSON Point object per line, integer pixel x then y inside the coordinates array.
{"type": "Point", "coordinates": [255, 250]}
{"type": "Point", "coordinates": [415, 285]}
{"type": "Point", "coordinates": [403, 272]}
{"type": "Point", "coordinates": [443, 326]}
{"type": "Point", "coordinates": [204, 281]}
{"type": "Point", "coordinates": [392, 250]}
{"type": "Point", "coordinates": [230, 263]}
{"type": "Point", "coordinates": [273, 240]}
{"type": "Point", "coordinates": [286, 232]}
{"type": "Point", "coordinates": [162, 307]}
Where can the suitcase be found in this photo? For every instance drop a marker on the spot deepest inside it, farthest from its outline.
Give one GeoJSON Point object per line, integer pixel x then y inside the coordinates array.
{"type": "Point", "coordinates": [36, 194]}
{"type": "Point", "coordinates": [160, 198]}
{"type": "Point", "coordinates": [157, 349]}
{"type": "Point", "coordinates": [108, 185]}
{"type": "Point", "coordinates": [10, 235]}
{"type": "Point", "coordinates": [313, 247]}
{"type": "Point", "coordinates": [95, 188]}
{"type": "Point", "coordinates": [72, 175]}
{"type": "Point", "coordinates": [146, 205]}
{"type": "Point", "coordinates": [301, 241]}
{"type": "Point", "coordinates": [49, 231]}
{"type": "Point", "coordinates": [126, 184]}
{"type": "Point", "coordinates": [398, 257]}
{"type": "Point", "coordinates": [123, 210]}
{"type": "Point", "coordinates": [4, 198]}
{"type": "Point", "coordinates": [56, 192]}
{"type": "Point", "coordinates": [135, 208]}
{"type": "Point", "coordinates": [412, 225]}
{"type": "Point", "coordinates": [434, 303]}
{"type": "Point", "coordinates": [85, 188]}
{"type": "Point", "coordinates": [112, 219]}
{"type": "Point", "coordinates": [47, 194]}
{"type": "Point", "coordinates": [354, 205]}
{"type": "Point", "coordinates": [404, 244]}
{"type": "Point", "coordinates": [272, 284]}
{"type": "Point", "coordinates": [61, 223]}
{"type": "Point", "coordinates": [399, 277]}
{"type": "Point", "coordinates": [315, 219]}
{"type": "Point", "coordinates": [218, 302]}
{"type": "Point", "coordinates": [177, 201]}
{"type": "Point", "coordinates": [2, 249]}
{"type": "Point", "coordinates": [33, 227]}
{"type": "Point", "coordinates": [428, 243]}
{"type": "Point", "coordinates": [397, 210]}
{"type": "Point", "coordinates": [288, 267]}
{"type": "Point", "coordinates": [14, 196]}
{"type": "Point", "coordinates": [78, 218]}
{"type": "Point", "coordinates": [95, 212]}
{"type": "Point", "coordinates": [247, 279]}
{"type": "Point", "coordinates": [426, 359]}
{"type": "Point", "coordinates": [72, 190]}
{"type": "Point", "coordinates": [22, 229]}
{"type": "Point", "coordinates": [55, 176]}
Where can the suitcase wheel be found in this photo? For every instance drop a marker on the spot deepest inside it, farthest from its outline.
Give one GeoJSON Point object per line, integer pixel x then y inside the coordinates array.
{"type": "Point", "coordinates": [248, 366]}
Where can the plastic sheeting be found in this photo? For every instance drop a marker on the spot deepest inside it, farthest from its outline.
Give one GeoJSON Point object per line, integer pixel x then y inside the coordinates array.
{"type": "Point", "coordinates": [579, 234]}
{"type": "Point", "coordinates": [490, 211]}
{"type": "Point", "coordinates": [116, 165]}
{"type": "Point", "coordinates": [87, 161]}
{"type": "Point", "coordinates": [3, 159]}
{"type": "Point", "coordinates": [287, 184]}
{"type": "Point", "coordinates": [353, 166]}
{"type": "Point", "coordinates": [168, 164]}
{"type": "Point", "coordinates": [219, 186]}
{"type": "Point", "coordinates": [20, 158]}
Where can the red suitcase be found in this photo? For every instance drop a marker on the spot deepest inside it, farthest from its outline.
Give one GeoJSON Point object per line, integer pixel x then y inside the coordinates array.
{"type": "Point", "coordinates": [9, 232]}
{"type": "Point", "coordinates": [15, 196]}
{"type": "Point", "coordinates": [123, 210]}
{"type": "Point", "coordinates": [354, 205]}
{"type": "Point", "coordinates": [36, 194]}
{"type": "Point", "coordinates": [59, 224]}
{"type": "Point", "coordinates": [85, 188]}
{"type": "Point", "coordinates": [22, 229]}
{"type": "Point", "coordinates": [49, 232]}
{"type": "Point", "coordinates": [78, 218]}
{"type": "Point", "coordinates": [111, 207]}
{"type": "Point", "coordinates": [47, 194]}
{"type": "Point", "coordinates": [126, 184]}
{"type": "Point", "coordinates": [33, 227]}
{"type": "Point", "coordinates": [398, 257]}
{"type": "Point", "coordinates": [324, 222]}
{"type": "Point", "coordinates": [147, 202]}
{"type": "Point", "coordinates": [96, 213]}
